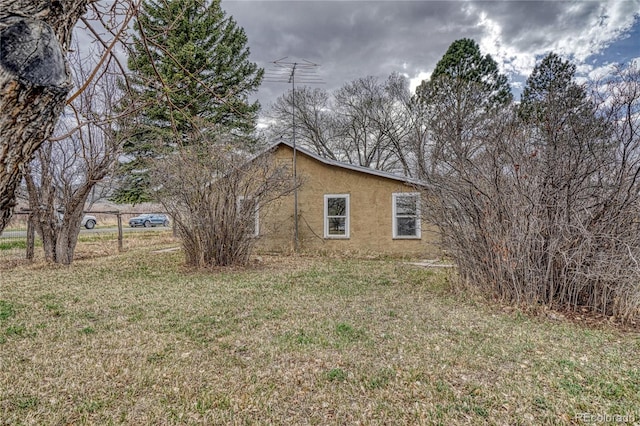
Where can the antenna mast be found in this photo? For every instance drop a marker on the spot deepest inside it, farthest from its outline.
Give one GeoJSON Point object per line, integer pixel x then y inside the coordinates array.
{"type": "Point", "coordinates": [286, 72]}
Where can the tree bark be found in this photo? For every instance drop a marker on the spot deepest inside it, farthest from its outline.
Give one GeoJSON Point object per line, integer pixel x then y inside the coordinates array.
{"type": "Point", "coordinates": [31, 237]}
{"type": "Point", "coordinates": [34, 82]}
{"type": "Point", "coordinates": [58, 229]}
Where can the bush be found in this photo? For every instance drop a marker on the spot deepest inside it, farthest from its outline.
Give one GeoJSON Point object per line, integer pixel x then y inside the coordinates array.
{"type": "Point", "coordinates": [543, 208]}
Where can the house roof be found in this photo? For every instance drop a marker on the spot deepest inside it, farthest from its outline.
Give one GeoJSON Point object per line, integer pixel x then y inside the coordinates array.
{"type": "Point", "coordinates": [348, 166]}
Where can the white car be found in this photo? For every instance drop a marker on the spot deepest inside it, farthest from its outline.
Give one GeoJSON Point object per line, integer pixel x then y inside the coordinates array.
{"type": "Point", "coordinates": [89, 221]}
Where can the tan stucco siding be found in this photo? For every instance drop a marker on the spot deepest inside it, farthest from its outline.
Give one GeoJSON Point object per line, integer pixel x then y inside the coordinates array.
{"type": "Point", "coordinates": [370, 209]}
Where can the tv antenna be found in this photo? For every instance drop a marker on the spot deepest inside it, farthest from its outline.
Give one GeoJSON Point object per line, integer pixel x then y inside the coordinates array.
{"type": "Point", "coordinates": [287, 72]}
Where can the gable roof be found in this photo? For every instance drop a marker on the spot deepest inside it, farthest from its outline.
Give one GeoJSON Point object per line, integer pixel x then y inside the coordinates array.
{"type": "Point", "coordinates": [360, 169]}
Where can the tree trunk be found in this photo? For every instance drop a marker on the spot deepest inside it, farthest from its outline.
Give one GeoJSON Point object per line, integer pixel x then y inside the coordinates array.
{"type": "Point", "coordinates": [59, 229]}
{"type": "Point", "coordinates": [34, 82]}
{"type": "Point", "coordinates": [68, 237]}
{"type": "Point", "coordinates": [45, 217]}
{"type": "Point", "coordinates": [31, 237]}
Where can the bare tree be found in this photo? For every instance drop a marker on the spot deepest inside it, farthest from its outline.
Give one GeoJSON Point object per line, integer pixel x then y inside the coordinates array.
{"type": "Point", "coordinates": [216, 196]}
{"type": "Point", "coordinates": [315, 122]}
{"type": "Point", "coordinates": [364, 123]}
{"type": "Point", "coordinates": [370, 131]}
{"type": "Point", "coordinates": [66, 168]}
{"type": "Point", "coordinates": [35, 79]}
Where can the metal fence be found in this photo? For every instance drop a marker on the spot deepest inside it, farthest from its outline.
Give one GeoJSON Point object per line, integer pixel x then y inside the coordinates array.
{"type": "Point", "coordinates": [18, 241]}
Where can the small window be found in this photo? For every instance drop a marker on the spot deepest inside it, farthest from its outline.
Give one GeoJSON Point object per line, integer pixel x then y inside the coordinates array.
{"type": "Point", "coordinates": [336, 216]}
{"type": "Point", "coordinates": [406, 215]}
{"type": "Point", "coordinates": [248, 214]}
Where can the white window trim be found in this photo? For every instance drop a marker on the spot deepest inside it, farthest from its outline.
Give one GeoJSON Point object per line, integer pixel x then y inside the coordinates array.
{"type": "Point", "coordinates": [347, 226]}
{"type": "Point", "coordinates": [394, 230]}
{"type": "Point", "coordinates": [257, 209]}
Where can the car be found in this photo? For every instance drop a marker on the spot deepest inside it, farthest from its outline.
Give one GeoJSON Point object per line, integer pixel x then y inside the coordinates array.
{"type": "Point", "coordinates": [149, 219]}
{"type": "Point", "coordinates": [88, 221]}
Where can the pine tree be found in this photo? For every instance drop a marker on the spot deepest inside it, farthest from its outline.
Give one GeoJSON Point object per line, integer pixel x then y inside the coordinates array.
{"type": "Point", "coordinates": [464, 93]}
{"type": "Point", "coordinates": [567, 134]}
{"type": "Point", "coordinates": [551, 91]}
{"type": "Point", "coordinates": [192, 75]}
{"type": "Point", "coordinates": [464, 67]}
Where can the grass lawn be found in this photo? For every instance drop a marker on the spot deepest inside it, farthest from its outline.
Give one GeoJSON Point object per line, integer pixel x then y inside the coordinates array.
{"type": "Point", "coordinates": [136, 338]}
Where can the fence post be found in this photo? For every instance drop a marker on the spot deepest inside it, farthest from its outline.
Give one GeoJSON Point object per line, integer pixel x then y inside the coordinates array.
{"type": "Point", "coordinates": [119, 216]}
{"type": "Point", "coordinates": [174, 229]}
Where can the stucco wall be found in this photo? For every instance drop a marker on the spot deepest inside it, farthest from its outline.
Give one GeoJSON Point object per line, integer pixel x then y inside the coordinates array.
{"type": "Point", "coordinates": [370, 212]}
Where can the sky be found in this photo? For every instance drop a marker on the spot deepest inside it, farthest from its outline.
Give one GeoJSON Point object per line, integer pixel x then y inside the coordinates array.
{"type": "Point", "coordinates": [353, 39]}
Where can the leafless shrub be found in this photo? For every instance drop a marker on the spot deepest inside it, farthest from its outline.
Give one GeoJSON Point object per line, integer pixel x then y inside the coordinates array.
{"type": "Point", "coordinates": [216, 196]}
{"type": "Point", "coordinates": [547, 214]}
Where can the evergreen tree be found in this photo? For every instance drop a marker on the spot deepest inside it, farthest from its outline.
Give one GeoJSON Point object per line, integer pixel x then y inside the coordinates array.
{"type": "Point", "coordinates": [458, 102]}
{"type": "Point", "coordinates": [560, 114]}
{"type": "Point", "coordinates": [551, 92]}
{"type": "Point", "coordinates": [191, 75]}
{"type": "Point", "coordinates": [463, 67]}
{"type": "Point", "coordinates": [566, 134]}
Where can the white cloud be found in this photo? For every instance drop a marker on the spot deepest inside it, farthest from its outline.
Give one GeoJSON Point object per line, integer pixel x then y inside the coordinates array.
{"type": "Point", "coordinates": [602, 71]}
{"type": "Point", "coordinates": [415, 81]}
{"type": "Point", "coordinates": [353, 39]}
{"type": "Point", "coordinates": [585, 30]}
{"type": "Point", "coordinates": [509, 58]}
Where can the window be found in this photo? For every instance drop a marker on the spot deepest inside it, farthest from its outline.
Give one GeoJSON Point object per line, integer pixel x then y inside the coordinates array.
{"type": "Point", "coordinates": [406, 215]}
{"type": "Point", "coordinates": [336, 216]}
{"type": "Point", "coordinates": [248, 214]}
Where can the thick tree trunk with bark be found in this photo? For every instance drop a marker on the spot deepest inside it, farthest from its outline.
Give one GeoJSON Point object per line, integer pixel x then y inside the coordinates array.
{"type": "Point", "coordinates": [58, 229]}
{"type": "Point", "coordinates": [34, 82]}
{"type": "Point", "coordinates": [70, 228]}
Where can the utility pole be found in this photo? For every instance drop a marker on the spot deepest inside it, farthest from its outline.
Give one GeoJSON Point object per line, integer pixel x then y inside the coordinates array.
{"type": "Point", "coordinates": [305, 71]}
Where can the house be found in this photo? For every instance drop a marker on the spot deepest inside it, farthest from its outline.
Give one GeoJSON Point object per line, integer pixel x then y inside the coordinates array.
{"type": "Point", "coordinates": [346, 209]}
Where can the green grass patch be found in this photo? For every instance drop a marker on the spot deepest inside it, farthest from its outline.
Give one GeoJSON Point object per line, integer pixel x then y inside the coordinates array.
{"type": "Point", "coordinates": [6, 310]}
{"type": "Point", "coordinates": [87, 330]}
{"type": "Point", "coordinates": [348, 333]}
{"type": "Point", "coordinates": [9, 245]}
{"type": "Point", "coordinates": [380, 378]}
{"type": "Point", "coordinates": [25, 402]}
{"type": "Point", "coordinates": [137, 338]}
{"type": "Point", "coordinates": [16, 330]}
{"type": "Point", "coordinates": [336, 375]}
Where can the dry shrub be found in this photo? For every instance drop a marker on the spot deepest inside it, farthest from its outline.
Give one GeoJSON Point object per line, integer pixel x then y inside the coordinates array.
{"type": "Point", "coordinates": [544, 210]}
{"type": "Point", "coordinates": [216, 196]}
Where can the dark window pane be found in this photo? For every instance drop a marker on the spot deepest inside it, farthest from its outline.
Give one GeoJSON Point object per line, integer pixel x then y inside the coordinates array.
{"type": "Point", "coordinates": [337, 226]}
{"type": "Point", "coordinates": [251, 224]}
{"type": "Point", "coordinates": [336, 207]}
{"type": "Point", "coordinates": [406, 227]}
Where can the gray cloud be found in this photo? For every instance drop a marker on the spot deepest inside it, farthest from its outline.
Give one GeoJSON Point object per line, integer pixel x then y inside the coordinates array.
{"type": "Point", "coordinates": [352, 39]}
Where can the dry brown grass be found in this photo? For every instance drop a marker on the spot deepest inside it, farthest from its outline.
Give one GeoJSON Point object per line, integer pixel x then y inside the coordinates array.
{"type": "Point", "coordinates": [136, 338]}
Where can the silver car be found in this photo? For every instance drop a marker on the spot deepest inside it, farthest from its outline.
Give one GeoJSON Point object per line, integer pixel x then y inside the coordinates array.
{"type": "Point", "coordinates": [148, 220]}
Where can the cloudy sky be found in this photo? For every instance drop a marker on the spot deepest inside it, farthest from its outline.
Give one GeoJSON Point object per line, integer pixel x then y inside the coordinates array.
{"type": "Point", "coordinates": [353, 39]}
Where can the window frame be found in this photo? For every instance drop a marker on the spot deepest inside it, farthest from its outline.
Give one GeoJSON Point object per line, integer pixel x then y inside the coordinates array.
{"type": "Point", "coordinates": [347, 225]}
{"type": "Point", "coordinates": [256, 226]}
{"type": "Point", "coordinates": [394, 213]}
